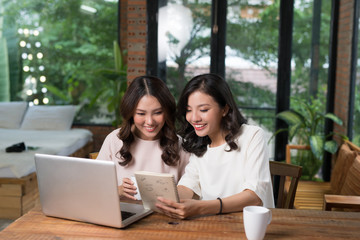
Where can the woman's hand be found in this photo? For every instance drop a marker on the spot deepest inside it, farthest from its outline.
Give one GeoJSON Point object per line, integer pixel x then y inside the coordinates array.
{"type": "Point", "coordinates": [127, 189]}
{"type": "Point", "coordinates": [186, 208]}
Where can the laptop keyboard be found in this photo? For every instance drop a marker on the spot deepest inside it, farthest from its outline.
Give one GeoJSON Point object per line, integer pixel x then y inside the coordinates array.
{"type": "Point", "coordinates": [125, 214]}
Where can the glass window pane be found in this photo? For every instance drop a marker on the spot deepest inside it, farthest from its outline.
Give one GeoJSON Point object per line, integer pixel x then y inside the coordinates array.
{"type": "Point", "coordinates": [310, 62]}
{"type": "Point", "coordinates": [183, 41]}
{"type": "Point", "coordinates": [251, 59]}
{"type": "Point", "coordinates": [356, 122]}
{"type": "Point", "coordinates": [63, 45]}
{"type": "Point", "coordinates": [310, 50]}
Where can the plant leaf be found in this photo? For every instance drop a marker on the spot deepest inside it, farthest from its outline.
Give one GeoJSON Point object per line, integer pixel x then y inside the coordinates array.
{"type": "Point", "coordinates": [293, 129]}
{"type": "Point", "coordinates": [290, 117]}
{"type": "Point", "coordinates": [277, 132]}
{"type": "Point", "coordinates": [335, 118]}
{"type": "Point", "coordinates": [117, 56]}
{"type": "Point", "coordinates": [57, 92]}
{"type": "Point", "coordinates": [317, 145]}
{"type": "Point", "coordinates": [331, 146]}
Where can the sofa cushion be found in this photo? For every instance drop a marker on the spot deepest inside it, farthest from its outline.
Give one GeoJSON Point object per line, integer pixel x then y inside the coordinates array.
{"type": "Point", "coordinates": [344, 161]}
{"type": "Point", "coordinates": [352, 181]}
{"type": "Point", "coordinates": [49, 118]}
{"type": "Point", "coordinates": [11, 114]}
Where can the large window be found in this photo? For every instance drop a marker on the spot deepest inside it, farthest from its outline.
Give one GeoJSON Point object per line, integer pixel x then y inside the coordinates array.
{"type": "Point", "coordinates": [251, 51]}
{"type": "Point", "coordinates": [184, 38]}
{"type": "Point", "coordinates": [57, 50]}
{"type": "Point", "coordinates": [251, 59]}
{"type": "Point", "coordinates": [183, 41]}
{"type": "Point", "coordinates": [310, 50]}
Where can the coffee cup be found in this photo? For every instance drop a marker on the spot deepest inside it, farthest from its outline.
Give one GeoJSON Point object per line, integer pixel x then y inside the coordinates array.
{"type": "Point", "coordinates": [256, 220]}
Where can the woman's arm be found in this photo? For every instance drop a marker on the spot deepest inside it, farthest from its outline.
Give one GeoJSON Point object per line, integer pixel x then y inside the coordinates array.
{"type": "Point", "coordinates": [185, 192]}
{"type": "Point", "coordinates": [190, 207]}
{"type": "Point", "coordinates": [237, 202]}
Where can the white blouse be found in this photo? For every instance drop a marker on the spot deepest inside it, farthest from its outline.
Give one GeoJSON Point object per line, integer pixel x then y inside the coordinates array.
{"type": "Point", "coordinates": [219, 173]}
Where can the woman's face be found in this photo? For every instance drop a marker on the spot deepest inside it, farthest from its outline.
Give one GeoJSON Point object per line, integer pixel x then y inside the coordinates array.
{"type": "Point", "coordinates": [149, 118]}
{"type": "Point", "coordinates": [205, 115]}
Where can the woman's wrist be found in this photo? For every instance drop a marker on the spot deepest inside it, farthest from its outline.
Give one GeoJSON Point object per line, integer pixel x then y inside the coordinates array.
{"type": "Point", "coordinates": [210, 207]}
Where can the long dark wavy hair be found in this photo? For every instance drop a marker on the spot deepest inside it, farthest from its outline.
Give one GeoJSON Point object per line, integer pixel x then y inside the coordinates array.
{"type": "Point", "coordinates": [216, 87]}
{"type": "Point", "coordinates": [153, 86]}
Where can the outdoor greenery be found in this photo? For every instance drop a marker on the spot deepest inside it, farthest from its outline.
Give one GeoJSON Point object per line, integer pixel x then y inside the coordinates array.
{"type": "Point", "coordinates": [306, 127]}
{"type": "Point", "coordinates": [74, 44]}
{"type": "Point", "coordinates": [256, 40]}
{"type": "Point", "coordinates": [77, 46]}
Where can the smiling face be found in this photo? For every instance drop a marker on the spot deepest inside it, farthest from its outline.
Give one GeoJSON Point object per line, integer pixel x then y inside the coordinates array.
{"type": "Point", "coordinates": [149, 118]}
{"type": "Point", "coordinates": [205, 115]}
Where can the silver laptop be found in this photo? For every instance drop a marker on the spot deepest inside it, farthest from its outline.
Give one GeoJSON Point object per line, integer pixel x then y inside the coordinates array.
{"type": "Point", "coordinates": [84, 190]}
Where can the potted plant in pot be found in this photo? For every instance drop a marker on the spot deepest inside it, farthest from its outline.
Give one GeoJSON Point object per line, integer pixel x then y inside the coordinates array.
{"type": "Point", "coordinates": [306, 127]}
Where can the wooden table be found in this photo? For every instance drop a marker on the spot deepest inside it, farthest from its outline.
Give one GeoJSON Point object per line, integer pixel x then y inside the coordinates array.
{"type": "Point", "coordinates": [286, 224]}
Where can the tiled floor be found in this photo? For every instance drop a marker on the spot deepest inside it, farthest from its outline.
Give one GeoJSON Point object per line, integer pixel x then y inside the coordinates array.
{"type": "Point", "coordinates": [4, 223]}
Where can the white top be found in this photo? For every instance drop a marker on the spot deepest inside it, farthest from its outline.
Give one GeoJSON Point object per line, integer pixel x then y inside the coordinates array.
{"type": "Point", "coordinates": [146, 157]}
{"type": "Point", "coordinates": [219, 173]}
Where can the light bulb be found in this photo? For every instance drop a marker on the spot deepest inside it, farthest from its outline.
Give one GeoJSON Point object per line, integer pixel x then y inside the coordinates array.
{"type": "Point", "coordinates": [22, 43]}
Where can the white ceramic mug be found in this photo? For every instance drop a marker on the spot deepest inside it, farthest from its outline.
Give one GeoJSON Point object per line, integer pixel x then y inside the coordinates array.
{"type": "Point", "coordinates": [256, 220]}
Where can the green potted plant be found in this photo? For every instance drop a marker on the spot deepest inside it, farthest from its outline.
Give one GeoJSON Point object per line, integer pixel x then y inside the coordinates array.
{"type": "Point", "coordinates": [306, 127]}
{"type": "Point", "coordinates": [113, 92]}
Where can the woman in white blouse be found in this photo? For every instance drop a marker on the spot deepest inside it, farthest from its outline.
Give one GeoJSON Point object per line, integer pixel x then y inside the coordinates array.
{"type": "Point", "coordinates": [229, 165]}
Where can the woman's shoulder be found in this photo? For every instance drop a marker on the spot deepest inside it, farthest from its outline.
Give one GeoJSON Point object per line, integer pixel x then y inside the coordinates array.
{"type": "Point", "coordinates": [250, 130]}
{"type": "Point", "coordinates": [114, 133]}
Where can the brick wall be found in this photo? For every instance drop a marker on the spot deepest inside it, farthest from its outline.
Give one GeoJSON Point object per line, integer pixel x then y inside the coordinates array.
{"type": "Point", "coordinates": [342, 89]}
{"type": "Point", "coordinates": [136, 38]}
{"type": "Point", "coordinates": [123, 24]}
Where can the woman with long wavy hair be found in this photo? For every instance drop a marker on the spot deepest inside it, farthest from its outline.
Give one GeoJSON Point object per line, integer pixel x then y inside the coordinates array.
{"type": "Point", "coordinates": [146, 140]}
{"type": "Point", "coordinates": [229, 166]}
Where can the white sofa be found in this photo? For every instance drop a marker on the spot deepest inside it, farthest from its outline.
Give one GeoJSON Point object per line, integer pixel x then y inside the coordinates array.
{"type": "Point", "coordinates": [47, 128]}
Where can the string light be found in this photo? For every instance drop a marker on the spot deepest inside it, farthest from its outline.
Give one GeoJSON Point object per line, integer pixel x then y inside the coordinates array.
{"type": "Point", "coordinates": [42, 79]}
{"type": "Point", "coordinates": [32, 68]}
{"type": "Point", "coordinates": [22, 43]}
